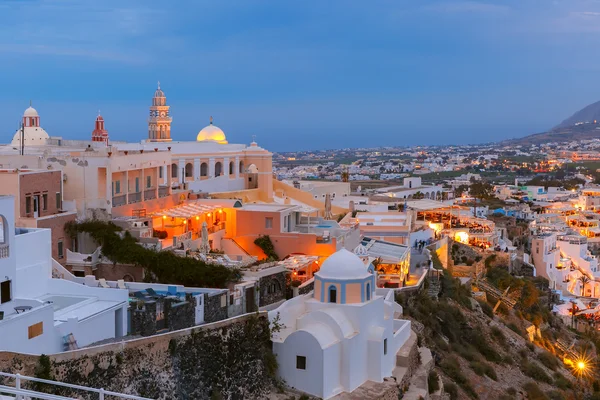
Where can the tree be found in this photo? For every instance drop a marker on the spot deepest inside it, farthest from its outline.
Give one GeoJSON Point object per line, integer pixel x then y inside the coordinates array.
{"type": "Point", "coordinates": [584, 279]}
{"type": "Point", "coordinates": [460, 190]}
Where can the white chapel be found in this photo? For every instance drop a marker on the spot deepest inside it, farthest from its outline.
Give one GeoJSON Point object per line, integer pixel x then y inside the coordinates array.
{"type": "Point", "coordinates": [340, 335]}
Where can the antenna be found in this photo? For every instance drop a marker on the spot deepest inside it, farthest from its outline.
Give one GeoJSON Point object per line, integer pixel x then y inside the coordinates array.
{"type": "Point", "coordinates": [22, 139]}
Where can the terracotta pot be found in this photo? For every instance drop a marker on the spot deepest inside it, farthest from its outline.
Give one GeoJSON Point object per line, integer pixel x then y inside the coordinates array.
{"type": "Point", "coordinates": [169, 148]}
{"type": "Point", "coordinates": [156, 149]}
{"type": "Point", "coordinates": [110, 153]}
{"type": "Point", "coordinates": [142, 151]}
{"type": "Point", "coordinates": [126, 152]}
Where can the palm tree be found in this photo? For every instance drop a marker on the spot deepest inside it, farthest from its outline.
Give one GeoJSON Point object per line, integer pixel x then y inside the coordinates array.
{"type": "Point", "coordinates": [345, 176]}
{"type": "Point", "coordinates": [584, 279]}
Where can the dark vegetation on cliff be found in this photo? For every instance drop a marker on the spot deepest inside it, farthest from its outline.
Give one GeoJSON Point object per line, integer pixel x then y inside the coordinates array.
{"type": "Point", "coordinates": [482, 356]}
{"type": "Point", "coordinates": [232, 361]}
{"type": "Point", "coordinates": [161, 266]}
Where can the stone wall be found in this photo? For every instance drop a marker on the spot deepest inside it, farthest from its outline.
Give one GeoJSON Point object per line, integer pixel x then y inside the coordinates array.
{"type": "Point", "coordinates": [127, 272]}
{"type": "Point", "coordinates": [143, 321]}
{"type": "Point", "coordinates": [272, 288]}
{"type": "Point", "coordinates": [214, 310]}
{"type": "Point", "coordinates": [180, 314]}
{"type": "Point", "coordinates": [230, 359]}
{"type": "Point", "coordinates": [306, 289]}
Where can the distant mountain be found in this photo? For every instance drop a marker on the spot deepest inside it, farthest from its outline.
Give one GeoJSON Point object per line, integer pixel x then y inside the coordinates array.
{"type": "Point", "coordinates": [579, 126]}
{"type": "Point", "coordinates": [587, 114]}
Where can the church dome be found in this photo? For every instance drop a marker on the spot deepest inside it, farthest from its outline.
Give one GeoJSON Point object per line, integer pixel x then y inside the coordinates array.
{"type": "Point", "coordinates": [31, 112]}
{"type": "Point", "coordinates": [211, 133]}
{"type": "Point", "coordinates": [343, 264]}
{"type": "Point", "coordinates": [34, 136]}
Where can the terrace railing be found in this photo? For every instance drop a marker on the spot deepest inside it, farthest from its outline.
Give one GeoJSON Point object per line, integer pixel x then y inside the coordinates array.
{"type": "Point", "coordinates": [21, 393]}
{"type": "Point", "coordinates": [149, 194]}
{"type": "Point", "coordinates": [163, 191]}
{"type": "Point", "coordinates": [120, 200]}
{"type": "Point", "coordinates": [135, 197]}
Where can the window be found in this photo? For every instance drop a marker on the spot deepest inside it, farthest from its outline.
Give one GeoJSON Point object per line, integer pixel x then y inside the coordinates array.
{"type": "Point", "coordinates": [60, 249]}
{"type": "Point", "coordinates": [45, 201]}
{"type": "Point", "coordinates": [5, 295]}
{"type": "Point", "coordinates": [384, 347]}
{"type": "Point", "coordinates": [368, 291]}
{"type": "Point", "coordinates": [300, 362]}
{"type": "Point", "coordinates": [285, 222]}
{"type": "Point", "coordinates": [58, 201]}
{"type": "Point", "coordinates": [204, 169]}
{"type": "Point", "coordinates": [160, 172]}
{"type": "Point", "coordinates": [174, 170]}
{"type": "Point", "coordinates": [148, 182]}
{"type": "Point", "coordinates": [118, 187]}
{"type": "Point", "coordinates": [28, 205]}
{"type": "Point", "coordinates": [332, 294]}
{"type": "Point", "coordinates": [269, 223]}
{"type": "Point", "coordinates": [231, 168]}
{"type": "Point", "coordinates": [35, 330]}
{"type": "Point", "coordinates": [189, 170]}
{"type": "Point", "coordinates": [218, 169]}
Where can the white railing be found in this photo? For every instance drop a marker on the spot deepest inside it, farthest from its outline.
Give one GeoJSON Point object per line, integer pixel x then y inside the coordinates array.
{"type": "Point", "coordinates": [22, 394]}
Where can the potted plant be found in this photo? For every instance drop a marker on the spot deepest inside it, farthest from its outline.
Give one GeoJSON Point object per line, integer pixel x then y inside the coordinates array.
{"type": "Point", "coordinates": [140, 304]}
{"type": "Point", "coordinates": [126, 152]}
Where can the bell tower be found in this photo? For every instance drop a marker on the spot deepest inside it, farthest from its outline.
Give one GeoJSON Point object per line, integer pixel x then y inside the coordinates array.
{"type": "Point", "coordinates": [159, 122]}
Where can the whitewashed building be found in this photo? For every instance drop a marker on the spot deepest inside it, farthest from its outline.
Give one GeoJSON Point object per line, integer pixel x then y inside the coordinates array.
{"type": "Point", "coordinates": [39, 313]}
{"type": "Point", "coordinates": [342, 334]}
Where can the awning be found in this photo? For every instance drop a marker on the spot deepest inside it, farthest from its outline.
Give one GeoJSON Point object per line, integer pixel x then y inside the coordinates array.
{"type": "Point", "coordinates": [188, 210]}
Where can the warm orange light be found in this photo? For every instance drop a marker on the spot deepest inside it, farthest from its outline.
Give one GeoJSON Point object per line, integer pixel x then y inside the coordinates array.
{"type": "Point", "coordinates": [185, 221]}
{"type": "Point", "coordinates": [208, 214]}
{"type": "Point", "coordinates": [197, 218]}
{"type": "Point", "coordinates": [164, 217]}
{"type": "Point", "coordinates": [220, 211]}
{"type": "Point", "coordinates": [580, 365]}
{"type": "Point", "coordinates": [295, 273]}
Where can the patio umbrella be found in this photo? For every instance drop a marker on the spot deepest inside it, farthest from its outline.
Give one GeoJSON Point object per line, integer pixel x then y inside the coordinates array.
{"type": "Point", "coordinates": [204, 246]}
{"type": "Point", "coordinates": [328, 214]}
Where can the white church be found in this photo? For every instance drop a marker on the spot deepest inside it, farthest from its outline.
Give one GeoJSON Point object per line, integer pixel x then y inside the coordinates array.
{"type": "Point", "coordinates": [342, 334]}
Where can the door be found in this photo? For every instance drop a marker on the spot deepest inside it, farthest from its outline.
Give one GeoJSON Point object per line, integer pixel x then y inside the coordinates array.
{"type": "Point", "coordinates": [199, 309]}
{"type": "Point", "coordinates": [137, 185]}
{"type": "Point", "coordinates": [118, 322]}
{"type": "Point", "coordinates": [36, 206]}
{"type": "Point", "coordinates": [250, 305]}
{"type": "Point", "coordinates": [5, 295]}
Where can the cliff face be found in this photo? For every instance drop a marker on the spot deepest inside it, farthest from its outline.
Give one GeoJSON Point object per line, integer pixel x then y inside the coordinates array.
{"type": "Point", "coordinates": [229, 359]}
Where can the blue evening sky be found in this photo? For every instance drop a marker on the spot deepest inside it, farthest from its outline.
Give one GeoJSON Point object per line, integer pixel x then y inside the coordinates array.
{"type": "Point", "coordinates": [301, 74]}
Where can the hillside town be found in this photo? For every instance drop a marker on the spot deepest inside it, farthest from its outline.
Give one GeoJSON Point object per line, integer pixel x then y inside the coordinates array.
{"type": "Point", "coordinates": [348, 274]}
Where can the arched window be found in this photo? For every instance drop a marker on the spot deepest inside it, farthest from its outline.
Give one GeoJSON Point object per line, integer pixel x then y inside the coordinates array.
{"type": "Point", "coordinates": [218, 168]}
{"type": "Point", "coordinates": [3, 230]}
{"type": "Point", "coordinates": [332, 294]}
{"type": "Point", "coordinates": [368, 291]}
{"type": "Point", "coordinates": [189, 170]}
{"type": "Point", "coordinates": [241, 167]}
{"type": "Point", "coordinates": [174, 170]}
{"type": "Point", "coordinates": [204, 169]}
{"type": "Point", "coordinates": [231, 165]}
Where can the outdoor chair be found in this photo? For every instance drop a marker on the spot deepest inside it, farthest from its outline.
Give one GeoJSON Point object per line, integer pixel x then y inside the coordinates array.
{"type": "Point", "coordinates": [121, 284]}
{"type": "Point", "coordinates": [102, 283]}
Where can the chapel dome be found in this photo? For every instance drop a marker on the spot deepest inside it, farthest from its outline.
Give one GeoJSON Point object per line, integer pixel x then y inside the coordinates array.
{"type": "Point", "coordinates": [33, 135]}
{"type": "Point", "coordinates": [31, 112]}
{"type": "Point", "coordinates": [343, 264]}
{"type": "Point", "coordinates": [211, 133]}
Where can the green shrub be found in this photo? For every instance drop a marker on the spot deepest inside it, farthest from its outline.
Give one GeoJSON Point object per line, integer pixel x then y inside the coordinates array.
{"type": "Point", "coordinates": [487, 309]}
{"type": "Point", "coordinates": [515, 328]}
{"type": "Point", "coordinates": [265, 244]}
{"type": "Point", "coordinates": [451, 367]}
{"type": "Point", "coordinates": [498, 335]}
{"type": "Point", "coordinates": [534, 392]}
{"type": "Point", "coordinates": [533, 370]}
{"type": "Point", "coordinates": [555, 395]}
{"type": "Point", "coordinates": [451, 389]}
{"type": "Point", "coordinates": [561, 382]}
{"type": "Point", "coordinates": [548, 360]}
{"type": "Point", "coordinates": [433, 384]}
{"type": "Point", "coordinates": [467, 352]}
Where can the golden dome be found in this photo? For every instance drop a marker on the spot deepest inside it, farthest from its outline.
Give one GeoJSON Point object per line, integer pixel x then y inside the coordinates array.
{"type": "Point", "coordinates": [211, 133]}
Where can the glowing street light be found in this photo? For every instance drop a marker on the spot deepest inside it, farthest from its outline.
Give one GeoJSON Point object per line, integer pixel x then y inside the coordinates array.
{"type": "Point", "coordinates": [581, 366]}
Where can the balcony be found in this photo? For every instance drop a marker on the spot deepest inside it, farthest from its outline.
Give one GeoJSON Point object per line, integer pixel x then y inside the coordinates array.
{"type": "Point", "coordinates": [120, 200]}
{"type": "Point", "coordinates": [4, 253]}
{"type": "Point", "coordinates": [163, 191]}
{"type": "Point", "coordinates": [135, 197]}
{"type": "Point", "coordinates": [149, 194]}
